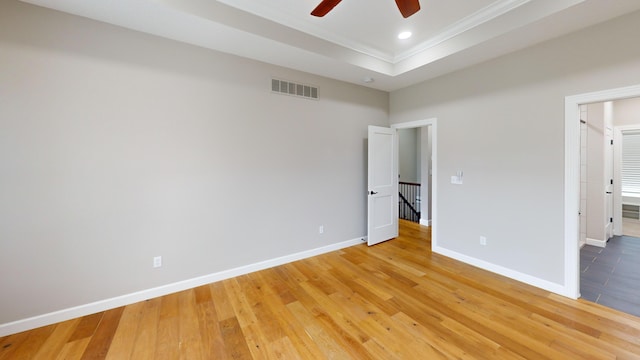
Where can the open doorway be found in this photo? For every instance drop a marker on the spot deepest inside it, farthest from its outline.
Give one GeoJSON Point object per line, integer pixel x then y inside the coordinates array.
{"type": "Point", "coordinates": [607, 264]}
{"type": "Point", "coordinates": [415, 174]}
{"type": "Point", "coordinates": [609, 170]}
{"type": "Point", "coordinates": [428, 170]}
{"type": "Point", "coordinates": [572, 179]}
{"type": "Point", "coordinates": [382, 181]}
{"type": "Point", "coordinates": [596, 173]}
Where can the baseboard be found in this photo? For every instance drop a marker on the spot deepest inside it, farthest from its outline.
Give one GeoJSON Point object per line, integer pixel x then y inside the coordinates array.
{"type": "Point", "coordinates": [525, 278]}
{"type": "Point", "coordinates": [425, 222]}
{"type": "Point", "coordinates": [598, 243]}
{"type": "Point", "coordinates": [103, 305]}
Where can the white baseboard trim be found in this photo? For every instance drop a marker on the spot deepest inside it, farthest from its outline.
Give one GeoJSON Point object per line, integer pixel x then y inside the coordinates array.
{"type": "Point", "coordinates": [527, 279]}
{"type": "Point", "coordinates": [103, 305]}
{"type": "Point", "coordinates": [425, 222]}
{"type": "Point", "coordinates": [598, 243]}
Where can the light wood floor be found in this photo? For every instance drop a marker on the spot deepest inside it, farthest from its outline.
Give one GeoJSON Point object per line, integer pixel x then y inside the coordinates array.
{"type": "Point", "coordinates": [395, 300]}
{"type": "Point", "coordinates": [631, 227]}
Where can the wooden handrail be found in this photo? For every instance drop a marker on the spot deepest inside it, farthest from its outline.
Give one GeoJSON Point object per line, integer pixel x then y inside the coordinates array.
{"type": "Point", "coordinates": [408, 204]}
{"type": "Point", "coordinates": [408, 183]}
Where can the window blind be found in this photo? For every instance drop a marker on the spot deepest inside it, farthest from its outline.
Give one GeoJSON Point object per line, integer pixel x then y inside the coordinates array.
{"type": "Point", "coordinates": [631, 162]}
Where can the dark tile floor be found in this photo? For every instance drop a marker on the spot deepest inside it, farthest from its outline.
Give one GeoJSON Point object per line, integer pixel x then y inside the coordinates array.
{"type": "Point", "coordinates": [611, 276]}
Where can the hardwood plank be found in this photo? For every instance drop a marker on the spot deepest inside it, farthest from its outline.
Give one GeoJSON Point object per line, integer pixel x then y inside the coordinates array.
{"type": "Point", "coordinates": [147, 332]}
{"type": "Point", "coordinates": [396, 300]}
{"type": "Point", "coordinates": [438, 338]}
{"type": "Point", "coordinates": [314, 298]}
{"type": "Point", "coordinates": [381, 327]}
{"type": "Point", "coordinates": [190, 344]}
{"type": "Point", "coordinates": [573, 341]}
{"type": "Point", "coordinates": [260, 298]}
{"type": "Point", "coordinates": [168, 338]}
{"type": "Point", "coordinates": [9, 344]}
{"type": "Point", "coordinates": [328, 344]}
{"type": "Point", "coordinates": [73, 350]}
{"type": "Point", "coordinates": [55, 342]}
{"type": "Point", "coordinates": [380, 304]}
{"type": "Point", "coordinates": [336, 315]}
{"type": "Point", "coordinates": [234, 339]}
{"type": "Point", "coordinates": [203, 294]}
{"type": "Point", "coordinates": [212, 343]}
{"type": "Point", "coordinates": [378, 351]}
{"type": "Point", "coordinates": [87, 326]}
{"type": "Point", "coordinates": [279, 287]}
{"type": "Point", "coordinates": [124, 338]}
{"type": "Point", "coordinates": [245, 316]}
{"type": "Point", "coordinates": [100, 342]}
{"type": "Point", "coordinates": [25, 345]}
{"type": "Point", "coordinates": [293, 330]}
{"type": "Point", "coordinates": [169, 306]}
{"type": "Point", "coordinates": [220, 298]}
{"type": "Point", "coordinates": [283, 348]}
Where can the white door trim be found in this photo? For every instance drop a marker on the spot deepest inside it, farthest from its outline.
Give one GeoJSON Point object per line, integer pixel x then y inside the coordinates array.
{"type": "Point", "coordinates": [572, 178]}
{"type": "Point", "coordinates": [434, 166]}
{"type": "Point", "coordinates": [618, 228]}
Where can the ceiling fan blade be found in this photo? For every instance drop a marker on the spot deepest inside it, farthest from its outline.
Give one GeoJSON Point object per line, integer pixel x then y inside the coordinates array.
{"type": "Point", "coordinates": [408, 7]}
{"type": "Point", "coordinates": [324, 7]}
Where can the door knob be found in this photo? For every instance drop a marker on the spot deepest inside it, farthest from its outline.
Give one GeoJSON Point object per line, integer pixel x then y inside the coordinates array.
{"type": "Point", "coordinates": [372, 192]}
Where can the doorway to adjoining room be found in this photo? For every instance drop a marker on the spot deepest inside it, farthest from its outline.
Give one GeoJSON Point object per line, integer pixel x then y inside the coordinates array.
{"type": "Point", "coordinates": [610, 204]}
{"type": "Point", "coordinates": [415, 174]}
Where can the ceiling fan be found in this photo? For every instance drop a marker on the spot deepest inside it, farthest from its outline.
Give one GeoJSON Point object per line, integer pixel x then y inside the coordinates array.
{"type": "Point", "coordinates": [406, 7]}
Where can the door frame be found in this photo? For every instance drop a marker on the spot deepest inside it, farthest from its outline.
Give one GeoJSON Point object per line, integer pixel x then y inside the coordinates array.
{"type": "Point", "coordinates": [618, 131]}
{"type": "Point", "coordinates": [434, 168]}
{"type": "Point", "coordinates": [609, 169]}
{"type": "Point", "coordinates": [572, 178]}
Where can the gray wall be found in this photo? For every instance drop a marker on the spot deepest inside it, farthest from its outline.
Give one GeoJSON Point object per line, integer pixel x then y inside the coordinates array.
{"type": "Point", "coordinates": [117, 146]}
{"type": "Point", "coordinates": [502, 123]}
{"type": "Point", "coordinates": [409, 156]}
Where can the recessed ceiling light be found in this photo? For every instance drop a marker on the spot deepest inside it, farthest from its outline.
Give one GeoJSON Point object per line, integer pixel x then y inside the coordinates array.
{"type": "Point", "coordinates": [404, 35]}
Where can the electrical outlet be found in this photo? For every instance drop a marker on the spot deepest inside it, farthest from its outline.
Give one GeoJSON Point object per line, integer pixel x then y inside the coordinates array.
{"type": "Point", "coordinates": [321, 229]}
{"type": "Point", "coordinates": [483, 240]}
{"type": "Point", "coordinates": [157, 261]}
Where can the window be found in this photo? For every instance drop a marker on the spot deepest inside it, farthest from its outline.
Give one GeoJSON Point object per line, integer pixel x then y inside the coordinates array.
{"type": "Point", "coordinates": [631, 162]}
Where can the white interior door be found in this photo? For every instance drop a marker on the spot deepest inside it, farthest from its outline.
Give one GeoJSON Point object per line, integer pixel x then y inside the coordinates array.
{"type": "Point", "coordinates": [382, 195]}
{"type": "Point", "coordinates": [608, 168]}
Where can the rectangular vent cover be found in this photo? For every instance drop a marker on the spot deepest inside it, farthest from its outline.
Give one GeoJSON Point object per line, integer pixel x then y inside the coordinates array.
{"type": "Point", "coordinates": [294, 89]}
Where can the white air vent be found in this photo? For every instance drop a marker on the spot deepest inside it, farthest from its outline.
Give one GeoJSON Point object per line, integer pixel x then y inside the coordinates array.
{"type": "Point", "coordinates": [294, 89]}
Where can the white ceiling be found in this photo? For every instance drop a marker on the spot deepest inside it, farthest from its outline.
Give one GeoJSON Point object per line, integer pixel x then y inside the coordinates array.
{"type": "Point", "coordinates": [358, 39]}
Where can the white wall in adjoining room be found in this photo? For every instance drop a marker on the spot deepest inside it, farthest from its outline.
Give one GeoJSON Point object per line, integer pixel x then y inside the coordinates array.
{"type": "Point", "coordinates": [595, 172]}
{"type": "Point", "coordinates": [626, 112]}
{"type": "Point", "coordinates": [116, 146]}
{"type": "Point", "coordinates": [502, 124]}
{"type": "Point", "coordinates": [584, 117]}
{"type": "Point", "coordinates": [425, 134]}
